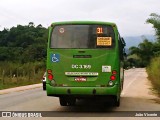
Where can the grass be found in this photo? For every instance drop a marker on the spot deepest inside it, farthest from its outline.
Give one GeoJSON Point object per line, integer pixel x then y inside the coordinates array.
{"type": "Point", "coordinates": [17, 84]}
{"type": "Point", "coordinates": [18, 74]}
{"type": "Point", "coordinates": [14, 82]}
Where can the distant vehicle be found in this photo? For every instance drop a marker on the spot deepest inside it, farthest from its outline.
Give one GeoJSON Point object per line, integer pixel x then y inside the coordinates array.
{"type": "Point", "coordinates": [84, 59]}
{"type": "Point", "coordinates": [44, 81]}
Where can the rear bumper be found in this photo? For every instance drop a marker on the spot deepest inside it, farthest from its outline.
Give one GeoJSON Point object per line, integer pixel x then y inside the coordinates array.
{"type": "Point", "coordinates": [82, 91]}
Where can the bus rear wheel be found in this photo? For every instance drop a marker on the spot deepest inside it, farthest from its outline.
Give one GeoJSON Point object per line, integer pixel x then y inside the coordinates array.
{"type": "Point", "coordinates": [72, 101]}
{"type": "Point", "coordinates": [63, 101]}
{"type": "Point", "coordinates": [117, 102]}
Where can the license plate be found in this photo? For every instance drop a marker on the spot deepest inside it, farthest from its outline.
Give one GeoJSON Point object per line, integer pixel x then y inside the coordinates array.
{"type": "Point", "coordinates": [80, 79]}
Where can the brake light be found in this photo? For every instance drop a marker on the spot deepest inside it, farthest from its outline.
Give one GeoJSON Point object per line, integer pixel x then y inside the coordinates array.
{"type": "Point", "coordinates": [113, 77]}
{"type": "Point", "coordinates": [50, 76]}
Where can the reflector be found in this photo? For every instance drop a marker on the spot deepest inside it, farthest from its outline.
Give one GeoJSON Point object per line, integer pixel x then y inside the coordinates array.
{"type": "Point", "coordinates": [49, 71]}
{"type": "Point", "coordinates": [114, 72]}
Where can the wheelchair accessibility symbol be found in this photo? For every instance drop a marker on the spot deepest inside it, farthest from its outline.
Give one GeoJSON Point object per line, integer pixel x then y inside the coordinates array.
{"type": "Point", "coordinates": [55, 57]}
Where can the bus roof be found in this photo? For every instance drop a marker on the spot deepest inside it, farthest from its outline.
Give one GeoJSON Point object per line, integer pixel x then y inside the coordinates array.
{"type": "Point", "coordinates": [83, 22]}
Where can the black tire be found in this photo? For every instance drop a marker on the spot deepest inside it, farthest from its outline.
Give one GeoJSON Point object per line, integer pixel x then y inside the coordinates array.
{"type": "Point", "coordinates": [71, 101]}
{"type": "Point", "coordinates": [116, 102]}
{"type": "Point", "coordinates": [63, 101]}
{"type": "Point", "coordinates": [44, 86]}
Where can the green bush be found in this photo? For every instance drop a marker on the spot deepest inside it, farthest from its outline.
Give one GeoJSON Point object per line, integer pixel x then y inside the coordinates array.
{"type": "Point", "coordinates": [154, 73]}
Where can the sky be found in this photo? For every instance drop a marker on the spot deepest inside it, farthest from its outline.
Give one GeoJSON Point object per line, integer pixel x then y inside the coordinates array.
{"type": "Point", "coordinates": [129, 15]}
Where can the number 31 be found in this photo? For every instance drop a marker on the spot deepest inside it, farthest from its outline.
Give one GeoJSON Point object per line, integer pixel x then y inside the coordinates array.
{"type": "Point", "coordinates": [99, 30]}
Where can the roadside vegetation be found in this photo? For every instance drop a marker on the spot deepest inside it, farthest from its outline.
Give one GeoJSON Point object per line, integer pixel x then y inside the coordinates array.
{"type": "Point", "coordinates": [147, 54]}
{"type": "Point", "coordinates": [22, 55]}
{"type": "Point", "coordinates": [153, 71]}
{"type": "Point", "coordinates": [17, 74]}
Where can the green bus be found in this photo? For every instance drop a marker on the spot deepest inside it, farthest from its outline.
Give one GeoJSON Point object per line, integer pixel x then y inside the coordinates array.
{"type": "Point", "coordinates": [84, 60]}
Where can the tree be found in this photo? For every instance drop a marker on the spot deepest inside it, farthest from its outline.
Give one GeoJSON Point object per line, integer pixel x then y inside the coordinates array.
{"type": "Point", "coordinates": [144, 51]}
{"type": "Point", "coordinates": [155, 21]}
{"type": "Point", "coordinates": [31, 24]}
{"type": "Point", "coordinates": [23, 43]}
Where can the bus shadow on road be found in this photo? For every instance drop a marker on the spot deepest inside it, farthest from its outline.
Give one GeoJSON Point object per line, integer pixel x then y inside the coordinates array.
{"type": "Point", "coordinates": [91, 106]}
{"type": "Point", "coordinates": [127, 104]}
{"type": "Point", "coordinates": [96, 108]}
{"type": "Point", "coordinates": [86, 108]}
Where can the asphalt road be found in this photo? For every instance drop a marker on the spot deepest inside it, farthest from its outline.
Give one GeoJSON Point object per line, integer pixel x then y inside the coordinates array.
{"type": "Point", "coordinates": [137, 96]}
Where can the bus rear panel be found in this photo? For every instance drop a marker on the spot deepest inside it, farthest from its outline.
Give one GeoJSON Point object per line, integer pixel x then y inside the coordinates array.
{"type": "Point", "coordinates": [83, 61]}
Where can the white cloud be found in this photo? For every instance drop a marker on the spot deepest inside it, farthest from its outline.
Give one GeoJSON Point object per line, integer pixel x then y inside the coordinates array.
{"type": "Point", "coordinates": [129, 15]}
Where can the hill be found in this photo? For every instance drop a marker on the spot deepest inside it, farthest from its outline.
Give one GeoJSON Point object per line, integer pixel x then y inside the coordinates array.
{"type": "Point", "coordinates": [135, 40]}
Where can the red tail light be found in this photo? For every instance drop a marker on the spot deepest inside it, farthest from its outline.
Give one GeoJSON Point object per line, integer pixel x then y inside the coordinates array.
{"type": "Point", "coordinates": [113, 77]}
{"type": "Point", "coordinates": [50, 76]}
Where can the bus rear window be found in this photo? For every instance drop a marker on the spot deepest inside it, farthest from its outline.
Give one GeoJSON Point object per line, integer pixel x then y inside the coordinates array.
{"type": "Point", "coordinates": [82, 36]}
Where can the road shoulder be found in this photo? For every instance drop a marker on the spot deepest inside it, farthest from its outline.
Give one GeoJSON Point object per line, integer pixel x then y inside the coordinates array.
{"type": "Point", "coordinates": [21, 88]}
